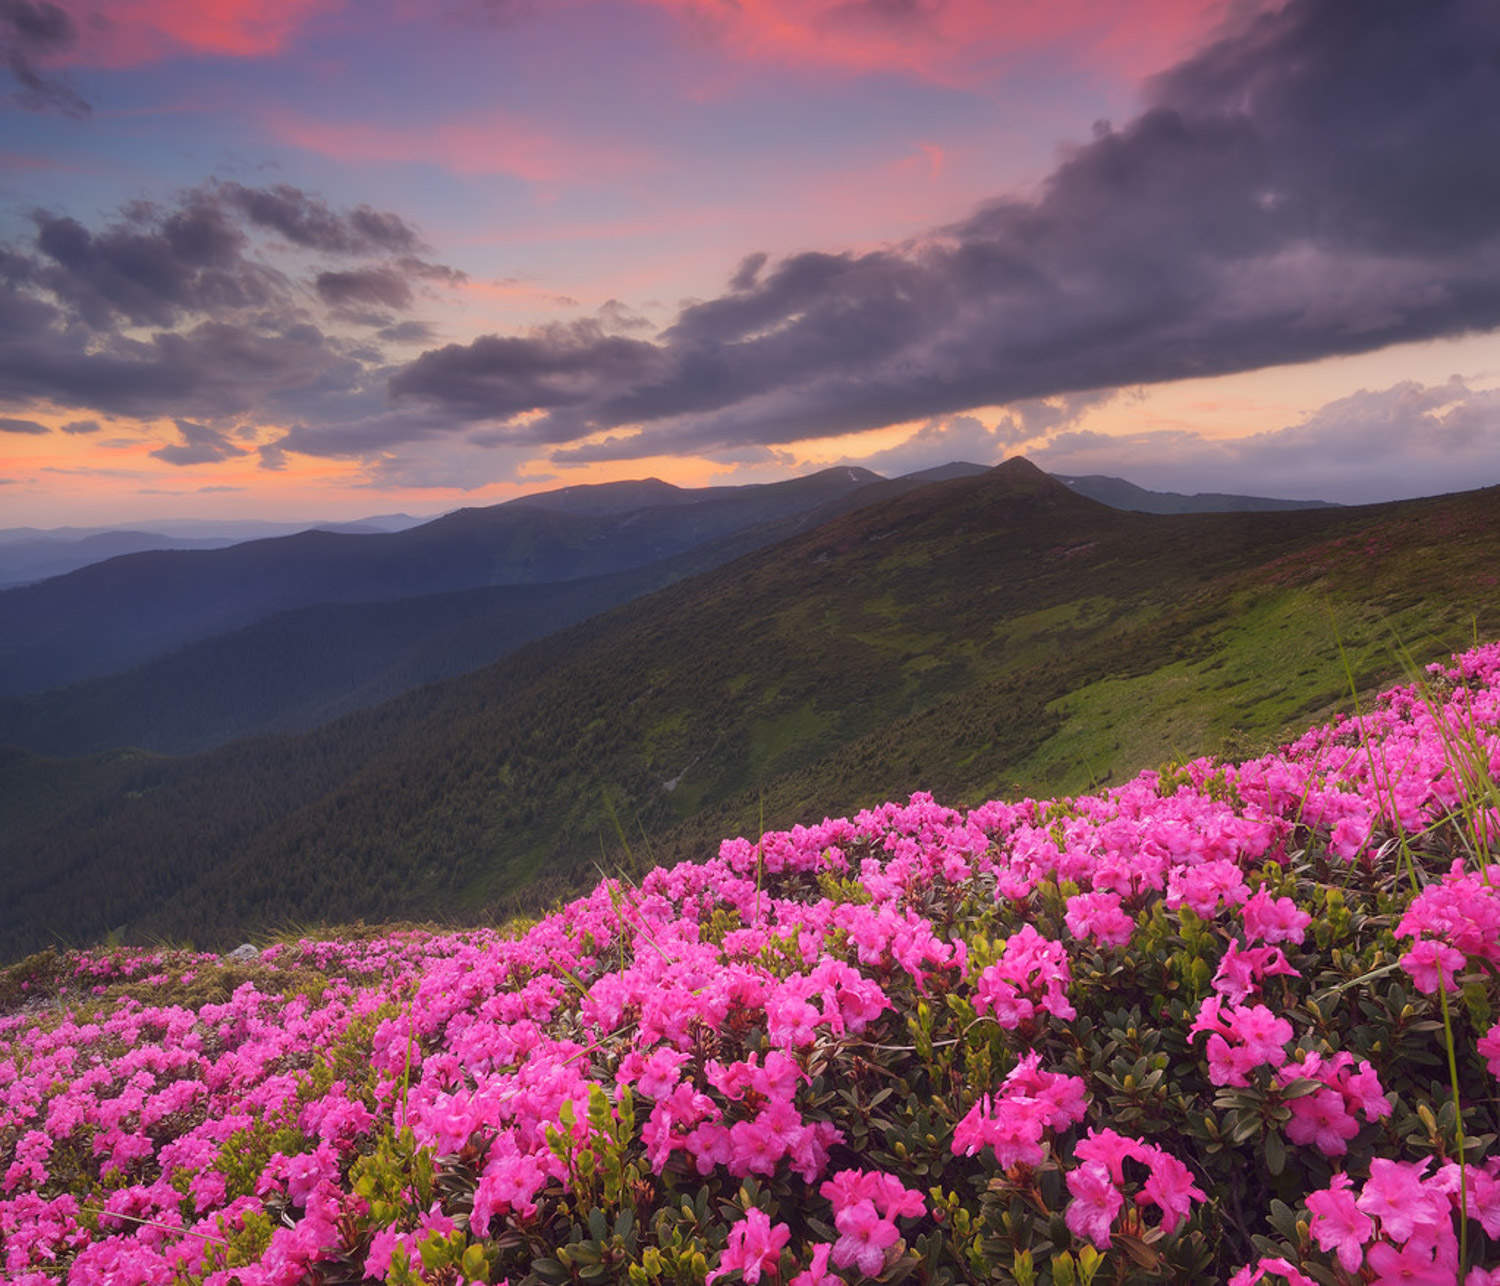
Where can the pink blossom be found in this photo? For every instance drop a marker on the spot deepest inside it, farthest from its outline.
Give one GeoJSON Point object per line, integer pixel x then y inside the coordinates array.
{"type": "Point", "coordinates": [754, 1247]}
{"type": "Point", "coordinates": [1096, 1202]}
{"type": "Point", "coordinates": [1320, 1118]}
{"type": "Point", "coordinates": [1415, 1264]}
{"type": "Point", "coordinates": [1338, 1224]}
{"type": "Point", "coordinates": [864, 1238]}
{"type": "Point", "coordinates": [1271, 1264]}
{"type": "Point", "coordinates": [1273, 920]}
{"type": "Point", "coordinates": [817, 1273]}
{"type": "Point", "coordinates": [1431, 964]}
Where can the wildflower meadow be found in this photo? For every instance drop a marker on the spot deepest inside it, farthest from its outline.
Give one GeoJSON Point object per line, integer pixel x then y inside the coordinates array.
{"type": "Point", "coordinates": [1225, 1022]}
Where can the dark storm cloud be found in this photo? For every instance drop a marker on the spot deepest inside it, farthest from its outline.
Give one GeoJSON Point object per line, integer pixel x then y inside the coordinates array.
{"type": "Point", "coordinates": [31, 30]}
{"type": "Point", "coordinates": [9, 424]}
{"type": "Point", "coordinates": [1324, 181]}
{"type": "Point", "coordinates": [200, 445]}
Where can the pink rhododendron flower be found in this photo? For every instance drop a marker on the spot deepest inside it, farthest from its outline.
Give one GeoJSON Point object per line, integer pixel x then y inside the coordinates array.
{"type": "Point", "coordinates": [1321, 1119]}
{"type": "Point", "coordinates": [1271, 1264]}
{"type": "Point", "coordinates": [1098, 916]}
{"type": "Point", "coordinates": [1432, 964]}
{"type": "Point", "coordinates": [754, 1247]}
{"type": "Point", "coordinates": [1406, 1205]}
{"type": "Point", "coordinates": [1096, 1202]}
{"type": "Point", "coordinates": [1338, 1224]}
{"type": "Point", "coordinates": [1415, 1264]}
{"type": "Point", "coordinates": [1271, 920]}
{"type": "Point", "coordinates": [817, 1273]}
{"type": "Point", "coordinates": [864, 1238]}
{"type": "Point", "coordinates": [1489, 1046]}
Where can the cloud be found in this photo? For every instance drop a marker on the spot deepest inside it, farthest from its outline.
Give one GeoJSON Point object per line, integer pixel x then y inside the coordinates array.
{"type": "Point", "coordinates": [616, 316]}
{"type": "Point", "coordinates": [32, 30]}
{"type": "Point", "coordinates": [180, 309]}
{"type": "Point", "coordinates": [561, 365]}
{"type": "Point", "coordinates": [950, 42]}
{"type": "Point", "coordinates": [745, 275]}
{"type": "Point", "coordinates": [81, 426]}
{"type": "Point", "coordinates": [150, 267]}
{"type": "Point", "coordinates": [11, 425]}
{"type": "Point", "coordinates": [407, 332]}
{"type": "Point", "coordinates": [1409, 439]}
{"type": "Point", "coordinates": [944, 440]}
{"type": "Point", "coordinates": [211, 370]}
{"type": "Point", "coordinates": [380, 287]}
{"type": "Point", "coordinates": [200, 445]}
{"type": "Point", "coordinates": [308, 222]}
{"type": "Point", "coordinates": [1325, 180]}
{"type": "Point", "coordinates": [123, 33]}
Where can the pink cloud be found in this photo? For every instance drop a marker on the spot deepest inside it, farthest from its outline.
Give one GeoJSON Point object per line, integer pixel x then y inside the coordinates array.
{"type": "Point", "coordinates": [955, 41]}
{"type": "Point", "coordinates": [496, 144]}
{"type": "Point", "coordinates": [125, 33]}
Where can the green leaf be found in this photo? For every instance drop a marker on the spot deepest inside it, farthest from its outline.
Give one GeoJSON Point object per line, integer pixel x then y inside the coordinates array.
{"type": "Point", "coordinates": [1275, 1152]}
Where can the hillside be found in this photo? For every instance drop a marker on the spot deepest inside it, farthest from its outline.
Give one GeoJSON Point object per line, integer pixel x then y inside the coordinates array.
{"type": "Point", "coordinates": [122, 612]}
{"type": "Point", "coordinates": [1227, 1022]}
{"type": "Point", "coordinates": [975, 637]}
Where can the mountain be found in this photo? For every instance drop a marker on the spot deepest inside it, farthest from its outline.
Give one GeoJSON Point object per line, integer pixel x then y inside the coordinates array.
{"type": "Point", "coordinates": [1119, 494]}
{"type": "Point", "coordinates": [297, 669]}
{"type": "Point", "coordinates": [25, 561]}
{"type": "Point", "coordinates": [31, 554]}
{"type": "Point", "coordinates": [112, 615]}
{"type": "Point", "coordinates": [984, 636]}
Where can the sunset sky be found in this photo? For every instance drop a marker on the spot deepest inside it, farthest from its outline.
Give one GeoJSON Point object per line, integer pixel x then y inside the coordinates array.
{"type": "Point", "coordinates": [323, 258]}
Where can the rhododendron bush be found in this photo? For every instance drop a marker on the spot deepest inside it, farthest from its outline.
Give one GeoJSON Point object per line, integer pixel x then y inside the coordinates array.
{"type": "Point", "coordinates": [1224, 1022]}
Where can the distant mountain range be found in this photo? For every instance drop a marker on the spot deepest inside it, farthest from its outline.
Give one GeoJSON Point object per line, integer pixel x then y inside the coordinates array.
{"type": "Point", "coordinates": [116, 614]}
{"type": "Point", "coordinates": [1119, 494]}
{"type": "Point", "coordinates": [31, 554]}
{"type": "Point", "coordinates": [282, 634]}
{"type": "Point", "coordinates": [182, 653]}
{"type": "Point", "coordinates": [992, 634]}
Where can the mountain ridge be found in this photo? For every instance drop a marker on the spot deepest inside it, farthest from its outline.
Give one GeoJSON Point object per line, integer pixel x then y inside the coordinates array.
{"type": "Point", "coordinates": [1014, 633]}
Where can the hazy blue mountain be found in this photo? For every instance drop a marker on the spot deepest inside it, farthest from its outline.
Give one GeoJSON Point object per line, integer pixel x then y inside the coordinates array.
{"type": "Point", "coordinates": [113, 615]}
{"type": "Point", "coordinates": [300, 668]}
{"type": "Point", "coordinates": [25, 561]}
{"type": "Point", "coordinates": [31, 554]}
{"type": "Point", "coordinates": [1119, 494]}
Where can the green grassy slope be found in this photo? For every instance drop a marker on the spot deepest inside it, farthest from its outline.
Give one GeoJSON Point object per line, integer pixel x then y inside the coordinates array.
{"type": "Point", "coordinates": [994, 634]}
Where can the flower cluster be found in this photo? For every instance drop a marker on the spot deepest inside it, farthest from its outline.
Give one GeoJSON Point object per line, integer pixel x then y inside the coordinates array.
{"type": "Point", "coordinates": [1144, 1024]}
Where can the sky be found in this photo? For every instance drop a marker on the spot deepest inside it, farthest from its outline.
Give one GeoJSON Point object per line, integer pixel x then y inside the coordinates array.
{"type": "Point", "coordinates": [327, 258]}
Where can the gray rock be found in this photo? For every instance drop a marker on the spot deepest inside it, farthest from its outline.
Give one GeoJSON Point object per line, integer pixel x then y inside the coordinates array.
{"type": "Point", "coordinates": [243, 953]}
